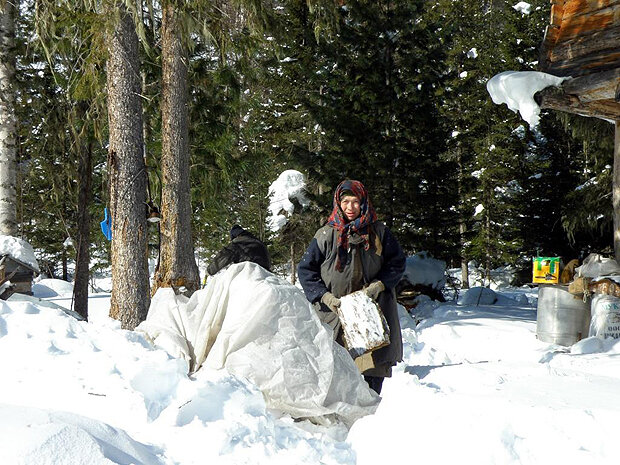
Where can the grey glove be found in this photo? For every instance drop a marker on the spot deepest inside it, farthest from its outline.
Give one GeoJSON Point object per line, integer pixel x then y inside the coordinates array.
{"type": "Point", "coordinates": [374, 289]}
{"type": "Point", "coordinates": [332, 302]}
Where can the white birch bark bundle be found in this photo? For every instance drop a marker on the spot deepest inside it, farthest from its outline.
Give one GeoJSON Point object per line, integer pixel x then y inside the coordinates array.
{"type": "Point", "coordinates": [364, 326]}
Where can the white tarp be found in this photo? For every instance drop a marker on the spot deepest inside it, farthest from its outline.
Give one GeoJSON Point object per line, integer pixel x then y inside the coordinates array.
{"type": "Point", "coordinates": [598, 266]}
{"type": "Point", "coordinates": [262, 328]}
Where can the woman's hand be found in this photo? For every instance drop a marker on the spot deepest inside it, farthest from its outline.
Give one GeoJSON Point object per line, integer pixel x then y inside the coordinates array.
{"type": "Point", "coordinates": [374, 289]}
{"type": "Point", "coordinates": [332, 302]}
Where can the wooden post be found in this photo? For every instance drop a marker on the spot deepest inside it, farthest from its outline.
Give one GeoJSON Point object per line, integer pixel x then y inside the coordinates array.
{"type": "Point", "coordinates": [616, 192]}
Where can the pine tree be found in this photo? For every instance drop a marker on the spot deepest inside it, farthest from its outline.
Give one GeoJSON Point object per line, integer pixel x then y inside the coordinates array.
{"type": "Point", "coordinates": [177, 265]}
{"type": "Point", "coordinates": [356, 103]}
{"type": "Point", "coordinates": [130, 286]}
{"type": "Point", "coordinates": [74, 60]}
{"type": "Point", "coordinates": [482, 39]}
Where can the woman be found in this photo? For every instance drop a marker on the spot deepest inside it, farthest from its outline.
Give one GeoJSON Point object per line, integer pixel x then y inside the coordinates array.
{"type": "Point", "coordinates": [352, 252]}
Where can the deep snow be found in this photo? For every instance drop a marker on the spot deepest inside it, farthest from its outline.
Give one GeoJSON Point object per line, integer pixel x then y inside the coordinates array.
{"type": "Point", "coordinates": [476, 386]}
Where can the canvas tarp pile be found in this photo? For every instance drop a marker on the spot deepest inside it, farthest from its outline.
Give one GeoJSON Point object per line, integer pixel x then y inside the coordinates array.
{"type": "Point", "coordinates": [262, 328]}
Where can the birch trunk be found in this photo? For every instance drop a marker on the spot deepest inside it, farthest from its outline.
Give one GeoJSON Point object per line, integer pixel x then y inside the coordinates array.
{"type": "Point", "coordinates": [127, 175]}
{"type": "Point", "coordinates": [177, 265]}
{"type": "Point", "coordinates": [8, 211]}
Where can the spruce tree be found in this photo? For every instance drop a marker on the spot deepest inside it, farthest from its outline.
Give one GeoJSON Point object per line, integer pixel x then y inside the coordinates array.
{"type": "Point", "coordinates": [356, 103]}
{"type": "Point", "coordinates": [130, 285]}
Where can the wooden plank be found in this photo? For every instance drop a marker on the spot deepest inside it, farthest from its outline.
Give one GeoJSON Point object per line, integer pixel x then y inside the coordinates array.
{"type": "Point", "coordinates": [576, 8]}
{"type": "Point", "coordinates": [557, 13]}
{"type": "Point", "coordinates": [556, 99]}
{"type": "Point", "coordinates": [585, 65]}
{"type": "Point", "coordinates": [571, 28]}
{"type": "Point", "coordinates": [592, 87]}
{"type": "Point", "coordinates": [551, 32]}
{"type": "Point", "coordinates": [546, 48]}
{"type": "Point", "coordinates": [587, 44]}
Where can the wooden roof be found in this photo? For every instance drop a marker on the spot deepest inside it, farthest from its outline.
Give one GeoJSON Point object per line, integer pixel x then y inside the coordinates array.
{"type": "Point", "coordinates": [583, 41]}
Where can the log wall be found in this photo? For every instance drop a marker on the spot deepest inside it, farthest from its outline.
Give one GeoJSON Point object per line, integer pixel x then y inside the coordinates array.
{"type": "Point", "coordinates": [583, 37]}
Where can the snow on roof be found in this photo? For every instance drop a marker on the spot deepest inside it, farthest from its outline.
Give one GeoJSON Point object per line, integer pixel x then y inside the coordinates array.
{"type": "Point", "coordinates": [290, 185]}
{"type": "Point", "coordinates": [517, 88]}
{"type": "Point", "coordinates": [19, 250]}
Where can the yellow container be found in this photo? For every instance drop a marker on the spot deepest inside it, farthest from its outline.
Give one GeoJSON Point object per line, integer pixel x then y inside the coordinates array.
{"type": "Point", "coordinates": [546, 270]}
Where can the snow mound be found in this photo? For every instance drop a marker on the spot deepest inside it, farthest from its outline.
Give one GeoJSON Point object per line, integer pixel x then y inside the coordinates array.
{"type": "Point", "coordinates": [421, 268]}
{"type": "Point", "coordinates": [484, 296]}
{"type": "Point", "coordinates": [478, 296]}
{"type": "Point", "coordinates": [46, 288]}
{"type": "Point", "coordinates": [74, 392]}
{"type": "Point", "coordinates": [44, 437]}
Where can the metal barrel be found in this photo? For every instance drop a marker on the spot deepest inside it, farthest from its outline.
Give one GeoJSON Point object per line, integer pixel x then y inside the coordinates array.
{"type": "Point", "coordinates": [561, 317]}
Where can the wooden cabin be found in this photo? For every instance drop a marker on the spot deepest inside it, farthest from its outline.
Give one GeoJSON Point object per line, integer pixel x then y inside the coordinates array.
{"type": "Point", "coordinates": [19, 274]}
{"type": "Point", "coordinates": [582, 41]}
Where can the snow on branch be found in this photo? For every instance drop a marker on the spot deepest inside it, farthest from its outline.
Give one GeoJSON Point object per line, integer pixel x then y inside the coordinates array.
{"type": "Point", "coordinates": [290, 185]}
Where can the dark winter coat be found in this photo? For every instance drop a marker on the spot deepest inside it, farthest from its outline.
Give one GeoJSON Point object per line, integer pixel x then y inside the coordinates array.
{"type": "Point", "coordinates": [384, 261]}
{"type": "Point", "coordinates": [243, 247]}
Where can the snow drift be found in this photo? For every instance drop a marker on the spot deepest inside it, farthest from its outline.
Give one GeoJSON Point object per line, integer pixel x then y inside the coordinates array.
{"type": "Point", "coordinates": [262, 328]}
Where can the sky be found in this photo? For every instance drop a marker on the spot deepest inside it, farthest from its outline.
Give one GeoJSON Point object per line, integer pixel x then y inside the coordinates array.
{"type": "Point", "coordinates": [476, 386]}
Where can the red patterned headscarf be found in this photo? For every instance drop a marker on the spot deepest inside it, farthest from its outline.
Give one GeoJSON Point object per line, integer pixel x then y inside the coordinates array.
{"type": "Point", "coordinates": [359, 225]}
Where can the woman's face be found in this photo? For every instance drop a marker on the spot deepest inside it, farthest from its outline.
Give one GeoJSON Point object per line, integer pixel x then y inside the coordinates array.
{"type": "Point", "coordinates": [350, 206]}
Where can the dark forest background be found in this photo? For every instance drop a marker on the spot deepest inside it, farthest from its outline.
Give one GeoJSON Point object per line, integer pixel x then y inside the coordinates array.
{"type": "Point", "coordinates": [392, 93]}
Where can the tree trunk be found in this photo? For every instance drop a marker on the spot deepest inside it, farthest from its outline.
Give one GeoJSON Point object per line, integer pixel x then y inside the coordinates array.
{"type": "Point", "coordinates": [127, 174]}
{"type": "Point", "coordinates": [464, 264]}
{"type": "Point", "coordinates": [487, 252]}
{"type": "Point", "coordinates": [177, 266]}
{"type": "Point", "coordinates": [8, 211]}
{"type": "Point", "coordinates": [293, 276]}
{"type": "Point", "coordinates": [65, 268]}
{"type": "Point", "coordinates": [616, 192]}
{"type": "Point", "coordinates": [462, 226]}
{"type": "Point", "coordinates": [82, 265]}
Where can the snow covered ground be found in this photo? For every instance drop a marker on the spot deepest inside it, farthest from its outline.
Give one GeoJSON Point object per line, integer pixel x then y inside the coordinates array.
{"type": "Point", "coordinates": [476, 386]}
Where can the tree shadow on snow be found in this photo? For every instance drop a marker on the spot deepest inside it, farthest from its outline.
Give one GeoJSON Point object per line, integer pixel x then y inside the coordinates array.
{"type": "Point", "coordinates": [422, 371]}
{"type": "Point", "coordinates": [524, 314]}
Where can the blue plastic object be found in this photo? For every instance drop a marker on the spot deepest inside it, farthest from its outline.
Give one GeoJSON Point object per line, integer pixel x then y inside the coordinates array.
{"type": "Point", "coordinates": [106, 225]}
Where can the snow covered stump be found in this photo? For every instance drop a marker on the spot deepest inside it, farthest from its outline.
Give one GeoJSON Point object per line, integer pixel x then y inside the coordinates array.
{"type": "Point", "coordinates": [364, 326]}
